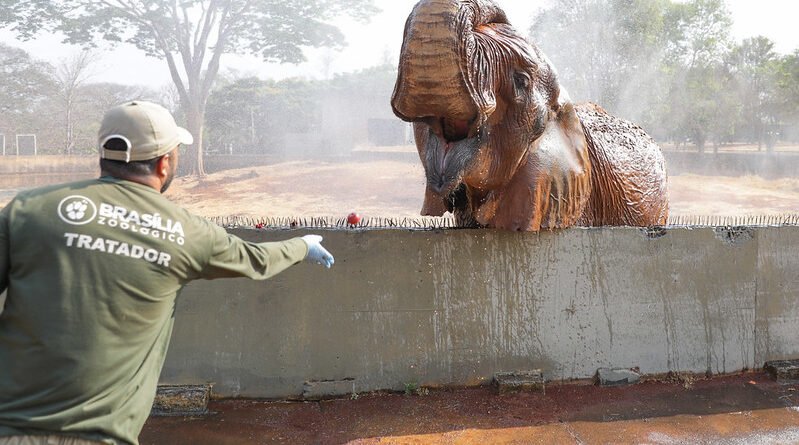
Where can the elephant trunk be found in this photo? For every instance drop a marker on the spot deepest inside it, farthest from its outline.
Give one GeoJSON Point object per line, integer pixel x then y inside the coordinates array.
{"type": "Point", "coordinates": [435, 79]}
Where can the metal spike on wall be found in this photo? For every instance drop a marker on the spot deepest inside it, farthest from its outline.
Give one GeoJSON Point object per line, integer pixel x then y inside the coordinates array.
{"type": "Point", "coordinates": [434, 223]}
{"type": "Point", "coordinates": [788, 219]}
{"type": "Point", "coordinates": [376, 223]}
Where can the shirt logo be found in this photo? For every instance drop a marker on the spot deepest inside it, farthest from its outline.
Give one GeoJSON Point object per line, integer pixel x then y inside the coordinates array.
{"type": "Point", "coordinates": [77, 210]}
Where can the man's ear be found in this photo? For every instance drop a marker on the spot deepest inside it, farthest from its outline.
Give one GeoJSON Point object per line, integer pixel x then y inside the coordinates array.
{"type": "Point", "coordinates": [164, 165]}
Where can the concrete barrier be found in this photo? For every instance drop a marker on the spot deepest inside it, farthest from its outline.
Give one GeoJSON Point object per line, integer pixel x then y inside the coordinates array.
{"type": "Point", "coordinates": [406, 309]}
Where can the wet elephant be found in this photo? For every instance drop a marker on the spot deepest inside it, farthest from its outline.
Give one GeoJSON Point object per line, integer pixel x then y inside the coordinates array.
{"type": "Point", "coordinates": [501, 143]}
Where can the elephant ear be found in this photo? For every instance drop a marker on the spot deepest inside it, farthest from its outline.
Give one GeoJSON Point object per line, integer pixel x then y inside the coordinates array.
{"type": "Point", "coordinates": [565, 173]}
{"type": "Point", "coordinates": [479, 51]}
{"type": "Point", "coordinates": [553, 188]}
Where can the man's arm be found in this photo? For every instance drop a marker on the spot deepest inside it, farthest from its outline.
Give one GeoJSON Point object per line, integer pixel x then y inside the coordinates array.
{"type": "Point", "coordinates": [231, 256]}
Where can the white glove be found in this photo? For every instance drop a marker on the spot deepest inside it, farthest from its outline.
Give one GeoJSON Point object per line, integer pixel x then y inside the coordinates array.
{"type": "Point", "coordinates": [316, 253]}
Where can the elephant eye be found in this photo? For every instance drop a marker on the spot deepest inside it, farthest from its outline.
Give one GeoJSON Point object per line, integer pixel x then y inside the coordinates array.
{"type": "Point", "coordinates": [521, 81]}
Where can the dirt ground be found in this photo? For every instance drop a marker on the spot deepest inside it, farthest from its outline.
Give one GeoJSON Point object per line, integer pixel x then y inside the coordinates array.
{"type": "Point", "coordinates": [395, 189]}
{"type": "Point", "coordinates": [748, 408]}
{"type": "Point", "coordinates": [305, 189]}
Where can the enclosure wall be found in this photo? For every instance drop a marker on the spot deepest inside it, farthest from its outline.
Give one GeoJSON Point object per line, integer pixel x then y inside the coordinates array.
{"type": "Point", "coordinates": [406, 308]}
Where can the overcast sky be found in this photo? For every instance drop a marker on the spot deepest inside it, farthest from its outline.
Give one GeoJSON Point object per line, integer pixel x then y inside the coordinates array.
{"type": "Point", "coordinates": [370, 44]}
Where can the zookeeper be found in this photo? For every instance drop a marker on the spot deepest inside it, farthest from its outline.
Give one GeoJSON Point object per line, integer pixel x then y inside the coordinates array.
{"type": "Point", "coordinates": [92, 270]}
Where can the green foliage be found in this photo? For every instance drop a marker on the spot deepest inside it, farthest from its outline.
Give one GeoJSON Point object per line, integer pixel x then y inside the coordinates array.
{"type": "Point", "coordinates": [191, 35]}
{"type": "Point", "coordinates": [256, 116]}
{"type": "Point", "coordinates": [754, 66]}
{"type": "Point", "coordinates": [275, 29]}
{"type": "Point", "coordinates": [598, 45]}
{"type": "Point", "coordinates": [671, 66]}
{"type": "Point", "coordinates": [32, 101]}
{"type": "Point", "coordinates": [24, 82]}
{"type": "Point", "coordinates": [251, 114]}
{"type": "Point", "coordinates": [701, 32]}
{"type": "Point", "coordinates": [25, 86]}
{"type": "Point", "coordinates": [787, 82]}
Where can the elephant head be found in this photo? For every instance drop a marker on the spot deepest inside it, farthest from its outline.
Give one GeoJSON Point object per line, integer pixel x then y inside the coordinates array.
{"type": "Point", "coordinates": [500, 142]}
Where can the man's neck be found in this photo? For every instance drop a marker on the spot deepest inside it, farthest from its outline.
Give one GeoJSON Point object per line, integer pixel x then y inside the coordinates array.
{"type": "Point", "coordinates": [149, 181]}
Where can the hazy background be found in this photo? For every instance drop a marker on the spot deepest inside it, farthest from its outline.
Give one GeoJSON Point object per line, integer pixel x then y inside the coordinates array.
{"type": "Point", "coordinates": [304, 100]}
{"type": "Point", "coordinates": [371, 43]}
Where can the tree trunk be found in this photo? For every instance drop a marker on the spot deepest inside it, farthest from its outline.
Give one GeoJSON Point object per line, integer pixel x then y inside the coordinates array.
{"type": "Point", "coordinates": [701, 140]}
{"type": "Point", "coordinates": [771, 138]}
{"type": "Point", "coordinates": [68, 138]}
{"type": "Point", "coordinates": [191, 163]}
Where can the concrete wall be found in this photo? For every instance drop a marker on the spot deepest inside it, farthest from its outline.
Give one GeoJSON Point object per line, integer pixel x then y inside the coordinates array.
{"type": "Point", "coordinates": [49, 164]}
{"type": "Point", "coordinates": [454, 307]}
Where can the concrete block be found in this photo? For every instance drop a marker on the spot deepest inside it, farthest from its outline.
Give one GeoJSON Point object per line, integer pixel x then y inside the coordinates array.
{"type": "Point", "coordinates": [181, 400]}
{"type": "Point", "coordinates": [325, 389]}
{"type": "Point", "coordinates": [617, 376]}
{"type": "Point", "coordinates": [519, 381]}
{"type": "Point", "coordinates": [783, 369]}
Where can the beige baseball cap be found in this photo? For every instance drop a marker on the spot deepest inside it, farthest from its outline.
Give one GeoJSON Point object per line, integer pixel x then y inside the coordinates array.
{"type": "Point", "coordinates": [139, 131]}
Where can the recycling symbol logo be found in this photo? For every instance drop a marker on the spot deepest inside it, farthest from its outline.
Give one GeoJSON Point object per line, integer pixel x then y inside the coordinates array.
{"type": "Point", "coordinates": [77, 210]}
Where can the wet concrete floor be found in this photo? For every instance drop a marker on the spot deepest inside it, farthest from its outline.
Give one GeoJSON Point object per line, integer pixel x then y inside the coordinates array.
{"type": "Point", "coordinates": [749, 408]}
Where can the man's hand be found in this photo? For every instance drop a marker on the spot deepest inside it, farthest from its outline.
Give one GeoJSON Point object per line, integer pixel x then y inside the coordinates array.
{"type": "Point", "coordinates": [316, 253]}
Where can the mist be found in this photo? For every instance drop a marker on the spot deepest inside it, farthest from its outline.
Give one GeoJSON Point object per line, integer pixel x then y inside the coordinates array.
{"type": "Point", "coordinates": [327, 143]}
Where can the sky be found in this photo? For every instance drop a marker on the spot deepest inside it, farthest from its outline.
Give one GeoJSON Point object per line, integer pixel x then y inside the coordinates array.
{"type": "Point", "coordinates": [373, 43]}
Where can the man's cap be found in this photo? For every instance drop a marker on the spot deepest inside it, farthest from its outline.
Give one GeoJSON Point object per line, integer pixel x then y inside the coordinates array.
{"type": "Point", "coordinates": [139, 131]}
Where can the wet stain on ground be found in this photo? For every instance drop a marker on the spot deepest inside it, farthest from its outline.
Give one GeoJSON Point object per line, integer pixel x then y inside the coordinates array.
{"type": "Point", "coordinates": [745, 408]}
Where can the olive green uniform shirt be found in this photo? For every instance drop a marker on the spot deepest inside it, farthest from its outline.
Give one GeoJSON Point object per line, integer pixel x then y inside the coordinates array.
{"type": "Point", "coordinates": [92, 270]}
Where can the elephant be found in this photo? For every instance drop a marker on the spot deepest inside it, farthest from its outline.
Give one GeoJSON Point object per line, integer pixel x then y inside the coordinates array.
{"type": "Point", "coordinates": [502, 144]}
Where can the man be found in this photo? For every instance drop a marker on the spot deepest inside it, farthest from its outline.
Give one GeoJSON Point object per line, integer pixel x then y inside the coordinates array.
{"type": "Point", "coordinates": [92, 270]}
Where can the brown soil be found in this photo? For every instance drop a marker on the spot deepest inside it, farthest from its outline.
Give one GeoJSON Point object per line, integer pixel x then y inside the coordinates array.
{"type": "Point", "coordinates": [396, 188]}
{"type": "Point", "coordinates": [730, 195]}
{"type": "Point", "coordinates": [745, 408]}
{"type": "Point", "coordinates": [305, 189]}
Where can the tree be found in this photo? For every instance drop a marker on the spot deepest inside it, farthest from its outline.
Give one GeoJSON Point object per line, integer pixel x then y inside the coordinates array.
{"type": "Point", "coordinates": [25, 86]}
{"type": "Point", "coordinates": [255, 116]}
{"type": "Point", "coordinates": [71, 75]}
{"type": "Point", "coordinates": [754, 64]}
{"type": "Point", "coordinates": [91, 101]}
{"type": "Point", "coordinates": [657, 62]}
{"type": "Point", "coordinates": [702, 109]}
{"type": "Point", "coordinates": [232, 108]}
{"type": "Point", "coordinates": [787, 87]}
{"type": "Point", "coordinates": [24, 81]}
{"type": "Point", "coordinates": [701, 32]}
{"type": "Point", "coordinates": [192, 36]}
{"type": "Point", "coordinates": [602, 47]}
{"type": "Point", "coordinates": [258, 116]}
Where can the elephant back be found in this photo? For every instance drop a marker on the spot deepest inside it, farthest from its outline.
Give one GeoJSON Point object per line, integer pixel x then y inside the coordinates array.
{"type": "Point", "coordinates": [629, 183]}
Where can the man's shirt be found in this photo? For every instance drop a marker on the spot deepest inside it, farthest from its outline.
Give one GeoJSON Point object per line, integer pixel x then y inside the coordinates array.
{"type": "Point", "coordinates": [92, 270]}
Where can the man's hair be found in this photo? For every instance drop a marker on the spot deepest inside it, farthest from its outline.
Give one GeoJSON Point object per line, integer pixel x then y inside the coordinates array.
{"type": "Point", "coordinates": [122, 169]}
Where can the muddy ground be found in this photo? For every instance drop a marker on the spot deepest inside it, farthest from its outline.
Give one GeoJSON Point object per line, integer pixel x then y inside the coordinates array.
{"type": "Point", "coordinates": [740, 409]}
